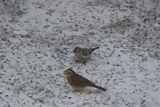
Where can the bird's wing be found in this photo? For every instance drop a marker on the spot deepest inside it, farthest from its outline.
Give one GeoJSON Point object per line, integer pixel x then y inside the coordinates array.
{"type": "Point", "coordinates": [86, 52]}
{"type": "Point", "coordinates": [81, 81]}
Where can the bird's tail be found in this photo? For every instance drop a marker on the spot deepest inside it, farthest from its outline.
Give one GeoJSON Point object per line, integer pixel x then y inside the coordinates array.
{"type": "Point", "coordinates": [101, 88]}
{"type": "Point", "coordinates": [94, 49]}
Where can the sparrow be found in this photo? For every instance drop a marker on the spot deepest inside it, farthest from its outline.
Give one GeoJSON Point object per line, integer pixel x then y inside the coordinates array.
{"type": "Point", "coordinates": [83, 54]}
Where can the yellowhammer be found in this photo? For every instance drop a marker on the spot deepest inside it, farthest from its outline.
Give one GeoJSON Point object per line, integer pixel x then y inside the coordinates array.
{"type": "Point", "coordinates": [78, 82]}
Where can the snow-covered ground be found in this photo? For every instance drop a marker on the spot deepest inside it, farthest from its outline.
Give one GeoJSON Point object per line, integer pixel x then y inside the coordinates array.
{"type": "Point", "coordinates": [37, 37]}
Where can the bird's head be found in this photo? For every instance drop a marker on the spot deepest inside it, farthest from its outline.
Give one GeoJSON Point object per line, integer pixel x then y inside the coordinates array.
{"type": "Point", "coordinates": [69, 72]}
{"type": "Point", "coordinates": [76, 49]}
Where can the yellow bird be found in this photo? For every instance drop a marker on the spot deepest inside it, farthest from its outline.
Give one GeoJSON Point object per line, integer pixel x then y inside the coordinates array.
{"type": "Point", "coordinates": [78, 82]}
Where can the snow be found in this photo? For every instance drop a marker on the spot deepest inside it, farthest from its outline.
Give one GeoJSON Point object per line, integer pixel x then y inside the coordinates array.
{"type": "Point", "coordinates": [37, 37]}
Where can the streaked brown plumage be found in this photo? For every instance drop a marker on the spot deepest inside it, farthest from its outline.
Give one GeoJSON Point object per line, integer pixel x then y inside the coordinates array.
{"type": "Point", "coordinates": [78, 82]}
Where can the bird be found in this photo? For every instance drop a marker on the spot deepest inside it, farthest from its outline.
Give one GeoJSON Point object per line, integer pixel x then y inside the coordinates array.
{"type": "Point", "coordinates": [83, 54]}
{"type": "Point", "coordinates": [78, 82]}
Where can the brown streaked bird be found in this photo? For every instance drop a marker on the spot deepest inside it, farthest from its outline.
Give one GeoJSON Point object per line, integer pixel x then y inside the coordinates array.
{"type": "Point", "coordinates": [78, 82]}
{"type": "Point", "coordinates": [83, 54]}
